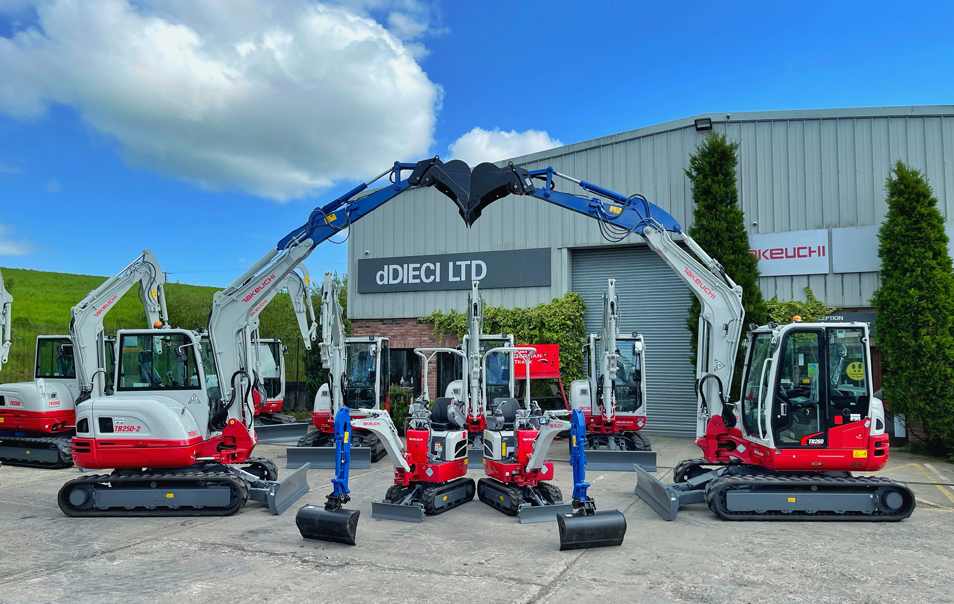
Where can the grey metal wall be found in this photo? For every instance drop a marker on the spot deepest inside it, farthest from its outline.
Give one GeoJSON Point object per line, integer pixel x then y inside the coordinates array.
{"type": "Point", "coordinates": [655, 302]}
{"type": "Point", "coordinates": [797, 170]}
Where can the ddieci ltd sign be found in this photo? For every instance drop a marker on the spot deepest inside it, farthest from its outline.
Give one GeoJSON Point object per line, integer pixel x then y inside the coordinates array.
{"type": "Point", "coordinates": [518, 268]}
{"type": "Point", "coordinates": [791, 253]}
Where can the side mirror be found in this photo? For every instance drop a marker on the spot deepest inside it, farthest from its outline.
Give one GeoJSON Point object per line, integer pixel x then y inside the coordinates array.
{"type": "Point", "coordinates": [181, 355]}
{"type": "Point", "coordinates": [284, 349]}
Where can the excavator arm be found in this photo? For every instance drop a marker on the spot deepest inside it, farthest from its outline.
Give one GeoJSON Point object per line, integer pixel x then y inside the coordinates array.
{"type": "Point", "coordinates": [86, 325]}
{"type": "Point", "coordinates": [237, 308]}
{"type": "Point", "coordinates": [6, 319]}
{"type": "Point", "coordinates": [620, 216]}
{"type": "Point", "coordinates": [608, 357]}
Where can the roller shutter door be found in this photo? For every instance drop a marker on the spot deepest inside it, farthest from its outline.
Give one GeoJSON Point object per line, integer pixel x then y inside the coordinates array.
{"type": "Point", "coordinates": [655, 302]}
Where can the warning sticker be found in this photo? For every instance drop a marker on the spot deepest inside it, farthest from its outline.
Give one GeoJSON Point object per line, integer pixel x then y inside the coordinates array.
{"type": "Point", "coordinates": [812, 370]}
{"type": "Point", "coordinates": [194, 400]}
{"type": "Point", "coordinates": [719, 365]}
{"type": "Point", "coordinates": [860, 453]}
{"type": "Point", "coordinates": [855, 371]}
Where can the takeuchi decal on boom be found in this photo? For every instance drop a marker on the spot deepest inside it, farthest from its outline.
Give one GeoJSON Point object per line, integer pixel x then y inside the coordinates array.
{"type": "Point", "coordinates": [105, 306]}
{"type": "Point", "coordinates": [705, 288]}
{"type": "Point", "coordinates": [264, 284]}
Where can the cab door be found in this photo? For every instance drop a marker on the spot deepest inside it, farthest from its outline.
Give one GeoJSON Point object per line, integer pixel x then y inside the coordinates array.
{"type": "Point", "coordinates": [800, 390]}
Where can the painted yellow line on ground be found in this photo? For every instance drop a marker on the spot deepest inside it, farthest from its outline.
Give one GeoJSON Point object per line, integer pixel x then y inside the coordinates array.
{"type": "Point", "coordinates": [931, 503]}
{"type": "Point", "coordinates": [934, 482]}
{"type": "Point", "coordinates": [907, 465]}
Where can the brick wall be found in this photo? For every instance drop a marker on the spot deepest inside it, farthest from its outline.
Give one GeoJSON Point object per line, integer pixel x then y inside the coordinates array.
{"type": "Point", "coordinates": [407, 333]}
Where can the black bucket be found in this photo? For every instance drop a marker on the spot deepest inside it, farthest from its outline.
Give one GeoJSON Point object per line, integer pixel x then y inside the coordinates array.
{"type": "Point", "coordinates": [338, 526]}
{"type": "Point", "coordinates": [602, 529]}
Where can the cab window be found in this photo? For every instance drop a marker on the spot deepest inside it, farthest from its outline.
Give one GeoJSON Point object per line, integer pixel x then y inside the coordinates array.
{"type": "Point", "coordinates": [755, 386]}
{"type": "Point", "coordinates": [153, 361]}
{"type": "Point", "coordinates": [54, 358]}
{"type": "Point", "coordinates": [848, 373]}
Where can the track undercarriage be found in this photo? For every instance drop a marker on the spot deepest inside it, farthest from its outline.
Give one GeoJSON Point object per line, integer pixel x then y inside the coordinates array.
{"type": "Point", "coordinates": [51, 452]}
{"type": "Point", "coordinates": [742, 492]}
{"type": "Point", "coordinates": [200, 490]}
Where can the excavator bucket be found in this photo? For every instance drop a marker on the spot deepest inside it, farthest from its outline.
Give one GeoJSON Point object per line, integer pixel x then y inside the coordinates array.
{"type": "Point", "coordinates": [394, 511]}
{"type": "Point", "coordinates": [582, 531]}
{"type": "Point", "coordinates": [336, 526]}
{"type": "Point", "coordinates": [323, 458]}
{"type": "Point", "coordinates": [530, 514]}
{"type": "Point", "coordinates": [490, 183]}
{"type": "Point", "coordinates": [620, 461]}
{"type": "Point", "coordinates": [666, 499]}
{"type": "Point", "coordinates": [475, 458]}
{"type": "Point", "coordinates": [281, 494]}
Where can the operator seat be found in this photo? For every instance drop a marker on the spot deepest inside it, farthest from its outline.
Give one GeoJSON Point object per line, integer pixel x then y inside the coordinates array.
{"type": "Point", "coordinates": [147, 372]}
{"type": "Point", "coordinates": [440, 418]}
{"type": "Point", "coordinates": [505, 414]}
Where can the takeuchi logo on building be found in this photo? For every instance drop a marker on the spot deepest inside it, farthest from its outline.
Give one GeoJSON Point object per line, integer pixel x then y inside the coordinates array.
{"type": "Point", "coordinates": [790, 252]}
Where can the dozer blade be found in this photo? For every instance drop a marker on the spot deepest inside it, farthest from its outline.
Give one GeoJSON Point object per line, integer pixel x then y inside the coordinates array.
{"type": "Point", "coordinates": [602, 529]}
{"type": "Point", "coordinates": [281, 494]}
{"type": "Point", "coordinates": [337, 526]}
{"type": "Point", "coordinates": [280, 433]}
{"type": "Point", "coordinates": [393, 511]}
{"type": "Point", "coordinates": [620, 461]}
{"type": "Point", "coordinates": [323, 458]}
{"type": "Point", "coordinates": [475, 458]}
{"type": "Point", "coordinates": [530, 514]}
{"type": "Point", "coordinates": [666, 499]}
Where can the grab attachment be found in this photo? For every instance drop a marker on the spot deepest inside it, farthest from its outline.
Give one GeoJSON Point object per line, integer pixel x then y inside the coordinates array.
{"type": "Point", "coordinates": [333, 522]}
{"type": "Point", "coordinates": [586, 527]}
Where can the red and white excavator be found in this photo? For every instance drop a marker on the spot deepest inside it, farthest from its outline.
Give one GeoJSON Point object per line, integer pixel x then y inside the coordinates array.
{"type": "Point", "coordinates": [612, 397]}
{"type": "Point", "coordinates": [178, 446]}
{"type": "Point", "coordinates": [484, 386]}
{"type": "Point", "coordinates": [807, 418]}
{"type": "Point", "coordinates": [358, 377]}
{"type": "Point", "coordinates": [37, 418]}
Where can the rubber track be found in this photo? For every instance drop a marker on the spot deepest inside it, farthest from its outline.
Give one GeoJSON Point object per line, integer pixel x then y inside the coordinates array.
{"type": "Point", "coordinates": [239, 487]}
{"type": "Point", "coordinates": [552, 490]}
{"type": "Point", "coordinates": [430, 494]}
{"type": "Point", "coordinates": [514, 493]}
{"type": "Point", "coordinates": [717, 489]}
{"type": "Point", "coordinates": [61, 443]}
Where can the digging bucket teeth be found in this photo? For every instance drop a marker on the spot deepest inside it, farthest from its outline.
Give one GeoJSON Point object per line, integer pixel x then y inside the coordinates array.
{"type": "Point", "coordinates": [323, 458]}
{"type": "Point", "coordinates": [530, 514]}
{"type": "Point", "coordinates": [336, 526]}
{"type": "Point", "coordinates": [666, 499]}
{"type": "Point", "coordinates": [394, 511]}
{"type": "Point", "coordinates": [281, 494]}
{"type": "Point", "coordinates": [620, 461]}
{"type": "Point", "coordinates": [475, 458]}
{"type": "Point", "coordinates": [581, 531]}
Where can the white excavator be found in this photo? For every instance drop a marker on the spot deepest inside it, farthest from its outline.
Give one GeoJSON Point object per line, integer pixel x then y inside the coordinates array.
{"type": "Point", "coordinates": [6, 322]}
{"type": "Point", "coordinates": [177, 446]}
{"type": "Point", "coordinates": [269, 372]}
{"type": "Point", "coordinates": [358, 378]}
{"type": "Point", "coordinates": [498, 381]}
{"type": "Point", "coordinates": [37, 418]}
{"type": "Point", "coordinates": [612, 397]}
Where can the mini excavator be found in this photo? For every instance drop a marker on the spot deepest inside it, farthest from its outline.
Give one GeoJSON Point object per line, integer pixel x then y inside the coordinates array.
{"type": "Point", "coordinates": [358, 373]}
{"type": "Point", "coordinates": [613, 397]}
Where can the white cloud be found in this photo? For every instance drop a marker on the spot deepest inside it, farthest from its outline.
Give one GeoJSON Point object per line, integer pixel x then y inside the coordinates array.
{"type": "Point", "coordinates": [481, 145]}
{"type": "Point", "coordinates": [278, 98]}
{"type": "Point", "coordinates": [53, 186]}
{"type": "Point", "coordinates": [10, 247]}
{"type": "Point", "coordinates": [8, 169]}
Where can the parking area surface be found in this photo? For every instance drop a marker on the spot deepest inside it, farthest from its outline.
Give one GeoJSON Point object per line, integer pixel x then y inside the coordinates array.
{"type": "Point", "coordinates": [474, 553]}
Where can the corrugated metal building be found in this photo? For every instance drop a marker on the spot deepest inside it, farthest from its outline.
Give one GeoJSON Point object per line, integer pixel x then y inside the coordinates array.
{"type": "Point", "coordinates": [810, 178]}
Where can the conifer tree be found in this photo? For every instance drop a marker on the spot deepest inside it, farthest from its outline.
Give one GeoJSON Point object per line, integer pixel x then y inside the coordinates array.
{"type": "Point", "coordinates": [915, 322]}
{"type": "Point", "coordinates": [719, 228]}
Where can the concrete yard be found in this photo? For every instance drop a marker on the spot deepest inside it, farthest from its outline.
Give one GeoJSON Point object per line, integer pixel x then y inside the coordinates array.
{"type": "Point", "coordinates": [473, 553]}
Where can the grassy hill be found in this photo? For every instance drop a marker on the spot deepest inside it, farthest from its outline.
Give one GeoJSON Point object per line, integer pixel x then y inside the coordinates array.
{"type": "Point", "coordinates": [42, 302]}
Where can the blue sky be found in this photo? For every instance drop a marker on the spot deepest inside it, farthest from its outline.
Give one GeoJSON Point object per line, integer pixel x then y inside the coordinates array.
{"type": "Point", "coordinates": [206, 136]}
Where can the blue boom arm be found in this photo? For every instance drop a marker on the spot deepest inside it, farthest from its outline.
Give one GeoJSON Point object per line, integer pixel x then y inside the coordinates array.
{"type": "Point", "coordinates": [340, 494]}
{"type": "Point", "coordinates": [578, 455]}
